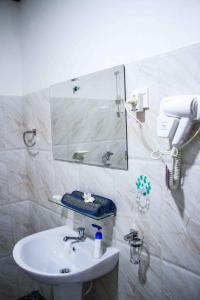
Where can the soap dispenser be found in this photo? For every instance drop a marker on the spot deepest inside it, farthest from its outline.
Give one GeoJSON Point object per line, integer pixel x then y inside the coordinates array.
{"type": "Point", "coordinates": [98, 242]}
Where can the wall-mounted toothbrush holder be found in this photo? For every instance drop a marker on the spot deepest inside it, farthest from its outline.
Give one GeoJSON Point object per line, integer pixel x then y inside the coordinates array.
{"type": "Point", "coordinates": [136, 245]}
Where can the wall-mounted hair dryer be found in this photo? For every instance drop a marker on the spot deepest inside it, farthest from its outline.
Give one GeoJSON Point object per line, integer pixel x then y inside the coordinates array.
{"type": "Point", "coordinates": [176, 118]}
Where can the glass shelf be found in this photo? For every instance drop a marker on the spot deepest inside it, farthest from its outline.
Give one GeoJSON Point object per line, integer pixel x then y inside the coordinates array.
{"type": "Point", "coordinates": [104, 216]}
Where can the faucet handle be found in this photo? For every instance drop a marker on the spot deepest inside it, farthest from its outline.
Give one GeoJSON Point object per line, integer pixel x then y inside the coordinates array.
{"type": "Point", "coordinates": [130, 236]}
{"type": "Point", "coordinates": [81, 231]}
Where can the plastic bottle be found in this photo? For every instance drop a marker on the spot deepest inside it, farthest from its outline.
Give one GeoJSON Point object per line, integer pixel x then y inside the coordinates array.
{"type": "Point", "coordinates": [98, 251]}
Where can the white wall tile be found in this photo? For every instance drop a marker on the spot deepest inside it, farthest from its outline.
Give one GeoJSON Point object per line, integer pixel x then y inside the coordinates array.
{"type": "Point", "coordinates": [179, 284]}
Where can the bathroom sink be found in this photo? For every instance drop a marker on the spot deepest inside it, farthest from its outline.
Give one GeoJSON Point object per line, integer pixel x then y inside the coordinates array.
{"type": "Point", "coordinates": [47, 258]}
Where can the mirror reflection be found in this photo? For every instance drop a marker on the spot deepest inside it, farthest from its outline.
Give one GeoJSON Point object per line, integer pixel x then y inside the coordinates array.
{"type": "Point", "coordinates": [89, 120]}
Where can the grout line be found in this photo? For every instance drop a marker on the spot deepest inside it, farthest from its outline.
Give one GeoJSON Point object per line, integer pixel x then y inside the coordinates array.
{"type": "Point", "coordinates": [48, 209]}
{"type": "Point", "coordinates": [181, 267]}
{"type": "Point", "coordinates": [15, 202]}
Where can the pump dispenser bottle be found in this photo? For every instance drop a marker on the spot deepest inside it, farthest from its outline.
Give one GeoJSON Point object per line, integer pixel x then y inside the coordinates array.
{"type": "Point", "coordinates": [98, 242]}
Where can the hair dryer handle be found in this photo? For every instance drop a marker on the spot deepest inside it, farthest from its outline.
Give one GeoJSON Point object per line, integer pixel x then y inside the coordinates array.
{"type": "Point", "coordinates": [182, 131]}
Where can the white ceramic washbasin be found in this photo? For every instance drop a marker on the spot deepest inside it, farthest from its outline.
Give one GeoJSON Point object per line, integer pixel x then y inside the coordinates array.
{"type": "Point", "coordinates": [44, 254]}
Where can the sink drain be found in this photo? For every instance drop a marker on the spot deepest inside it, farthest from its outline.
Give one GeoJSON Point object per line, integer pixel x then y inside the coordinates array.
{"type": "Point", "coordinates": [64, 270]}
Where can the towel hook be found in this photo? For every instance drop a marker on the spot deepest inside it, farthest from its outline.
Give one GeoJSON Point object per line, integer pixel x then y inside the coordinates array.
{"type": "Point", "coordinates": [30, 142]}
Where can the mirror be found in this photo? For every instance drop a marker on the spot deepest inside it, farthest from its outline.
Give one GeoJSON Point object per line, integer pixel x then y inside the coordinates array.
{"type": "Point", "coordinates": [89, 120]}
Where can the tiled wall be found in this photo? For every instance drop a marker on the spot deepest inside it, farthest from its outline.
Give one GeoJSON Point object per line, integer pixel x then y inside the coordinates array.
{"type": "Point", "coordinates": [15, 208]}
{"type": "Point", "coordinates": [14, 204]}
{"type": "Point", "coordinates": [171, 227]}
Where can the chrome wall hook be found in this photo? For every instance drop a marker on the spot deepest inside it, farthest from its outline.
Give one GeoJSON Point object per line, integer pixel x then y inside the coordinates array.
{"type": "Point", "coordinates": [30, 140]}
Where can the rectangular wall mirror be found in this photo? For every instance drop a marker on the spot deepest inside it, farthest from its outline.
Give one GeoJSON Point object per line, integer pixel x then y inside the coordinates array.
{"type": "Point", "coordinates": [89, 120]}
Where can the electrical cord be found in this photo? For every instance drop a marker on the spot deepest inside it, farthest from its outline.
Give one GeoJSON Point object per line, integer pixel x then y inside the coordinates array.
{"type": "Point", "coordinates": [174, 152]}
{"type": "Point", "coordinates": [130, 112]}
{"type": "Point", "coordinates": [173, 173]}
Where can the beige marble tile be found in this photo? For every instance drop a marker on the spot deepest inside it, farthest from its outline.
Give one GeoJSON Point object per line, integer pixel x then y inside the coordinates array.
{"type": "Point", "coordinates": [96, 180]}
{"type": "Point", "coordinates": [17, 175]}
{"type": "Point", "coordinates": [20, 214]}
{"type": "Point", "coordinates": [180, 223]}
{"type": "Point", "coordinates": [49, 219]}
{"type": "Point", "coordinates": [14, 122]}
{"type": "Point", "coordinates": [140, 75]}
{"type": "Point", "coordinates": [34, 217]}
{"type": "Point", "coordinates": [2, 123]}
{"type": "Point", "coordinates": [37, 115]}
{"type": "Point", "coordinates": [41, 179]}
{"type": "Point", "coordinates": [131, 284]}
{"type": "Point", "coordinates": [179, 284]}
{"type": "Point", "coordinates": [4, 197]}
{"type": "Point", "coordinates": [178, 71]}
{"type": "Point", "coordinates": [6, 232]}
{"type": "Point", "coordinates": [14, 224]}
{"type": "Point", "coordinates": [66, 177]}
{"type": "Point", "coordinates": [128, 214]}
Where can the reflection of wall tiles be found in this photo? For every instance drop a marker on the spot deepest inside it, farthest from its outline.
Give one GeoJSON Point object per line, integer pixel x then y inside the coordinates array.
{"type": "Point", "coordinates": [95, 152]}
{"type": "Point", "coordinates": [106, 125]}
{"type": "Point", "coordinates": [72, 116]}
{"type": "Point", "coordinates": [97, 117]}
{"type": "Point", "coordinates": [101, 84]}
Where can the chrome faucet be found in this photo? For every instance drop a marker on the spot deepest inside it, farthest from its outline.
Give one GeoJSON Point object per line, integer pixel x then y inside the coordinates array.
{"type": "Point", "coordinates": [131, 236]}
{"type": "Point", "coordinates": [80, 238]}
{"type": "Point", "coordinates": [106, 157]}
